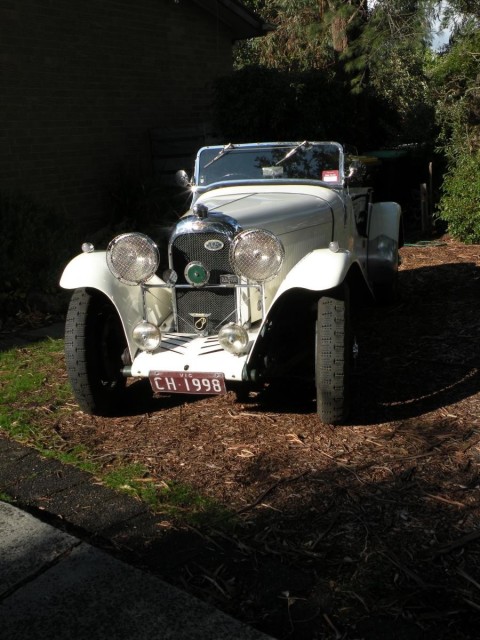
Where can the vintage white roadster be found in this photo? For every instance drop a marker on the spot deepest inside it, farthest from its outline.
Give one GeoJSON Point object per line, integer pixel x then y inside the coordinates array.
{"type": "Point", "coordinates": [261, 271]}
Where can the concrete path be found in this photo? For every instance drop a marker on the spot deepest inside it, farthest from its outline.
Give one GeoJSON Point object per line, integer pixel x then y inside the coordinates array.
{"type": "Point", "coordinates": [52, 585]}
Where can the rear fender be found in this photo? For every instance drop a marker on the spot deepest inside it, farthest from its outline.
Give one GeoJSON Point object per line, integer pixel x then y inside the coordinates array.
{"type": "Point", "coordinates": [90, 270]}
{"type": "Point", "coordinates": [384, 235]}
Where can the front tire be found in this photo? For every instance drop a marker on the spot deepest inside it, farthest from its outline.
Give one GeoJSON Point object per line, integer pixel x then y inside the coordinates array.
{"type": "Point", "coordinates": [333, 353]}
{"type": "Point", "coordinates": [95, 345]}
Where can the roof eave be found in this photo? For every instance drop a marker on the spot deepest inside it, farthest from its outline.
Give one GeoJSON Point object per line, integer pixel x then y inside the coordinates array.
{"type": "Point", "coordinates": [243, 22]}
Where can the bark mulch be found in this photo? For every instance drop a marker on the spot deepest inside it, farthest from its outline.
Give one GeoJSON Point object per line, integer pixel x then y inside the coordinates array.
{"type": "Point", "coordinates": [369, 530]}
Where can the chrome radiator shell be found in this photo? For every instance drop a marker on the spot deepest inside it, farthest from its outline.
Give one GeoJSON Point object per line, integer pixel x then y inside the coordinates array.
{"type": "Point", "coordinates": [190, 242]}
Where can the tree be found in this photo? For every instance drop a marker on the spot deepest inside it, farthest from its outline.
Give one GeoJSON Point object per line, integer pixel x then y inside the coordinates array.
{"type": "Point", "coordinates": [394, 30]}
{"type": "Point", "coordinates": [307, 34]}
{"type": "Point", "coordinates": [455, 79]}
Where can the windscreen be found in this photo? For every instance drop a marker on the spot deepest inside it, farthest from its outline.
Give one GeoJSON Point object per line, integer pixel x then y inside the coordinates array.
{"type": "Point", "coordinates": [305, 161]}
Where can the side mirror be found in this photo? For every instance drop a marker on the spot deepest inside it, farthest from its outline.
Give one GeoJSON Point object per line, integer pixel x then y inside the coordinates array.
{"type": "Point", "coordinates": [182, 179]}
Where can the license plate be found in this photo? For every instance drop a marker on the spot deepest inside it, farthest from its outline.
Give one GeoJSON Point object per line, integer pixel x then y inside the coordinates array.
{"type": "Point", "coordinates": [187, 382]}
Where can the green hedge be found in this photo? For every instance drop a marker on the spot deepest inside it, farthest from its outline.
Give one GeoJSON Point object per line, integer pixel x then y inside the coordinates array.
{"type": "Point", "coordinates": [459, 205]}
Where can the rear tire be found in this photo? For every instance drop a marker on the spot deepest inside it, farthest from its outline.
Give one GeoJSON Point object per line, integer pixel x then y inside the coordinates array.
{"type": "Point", "coordinates": [334, 351]}
{"type": "Point", "coordinates": [94, 349]}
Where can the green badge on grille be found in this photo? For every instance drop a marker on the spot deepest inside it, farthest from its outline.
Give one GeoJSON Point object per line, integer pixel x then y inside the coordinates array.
{"type": "Point", "coordinates": [196, 274]}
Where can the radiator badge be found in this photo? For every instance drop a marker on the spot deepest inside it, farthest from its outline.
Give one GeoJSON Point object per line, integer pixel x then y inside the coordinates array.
{"type": "Point", "coordinates": [200, 321]}
{"type": "Point", "coordinates": [213, 245]}
{"type": "Point", "coordinates": [196, 274]}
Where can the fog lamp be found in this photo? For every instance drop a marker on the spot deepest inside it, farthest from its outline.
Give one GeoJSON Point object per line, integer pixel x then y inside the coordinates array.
{"type": "Point", "coordinates": [146, 336]}
{"type": "Point", "coordinates": [233, 338]}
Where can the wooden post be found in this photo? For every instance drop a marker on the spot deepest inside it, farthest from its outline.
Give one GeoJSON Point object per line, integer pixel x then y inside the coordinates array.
{"type": "Point", "coordinates": [424, 207]}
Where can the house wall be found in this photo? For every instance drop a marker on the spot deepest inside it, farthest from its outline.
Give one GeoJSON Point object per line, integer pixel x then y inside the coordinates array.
{"type": "Point", "coordinates": [82, 83]}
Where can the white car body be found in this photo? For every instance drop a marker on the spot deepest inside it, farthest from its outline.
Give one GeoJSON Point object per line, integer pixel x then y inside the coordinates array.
{"type": "Point", "coordinates": [332, 236]}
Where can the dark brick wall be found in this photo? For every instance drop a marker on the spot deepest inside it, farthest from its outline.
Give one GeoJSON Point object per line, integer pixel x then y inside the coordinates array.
{"type": "Point", "coordinates": [82, 83]}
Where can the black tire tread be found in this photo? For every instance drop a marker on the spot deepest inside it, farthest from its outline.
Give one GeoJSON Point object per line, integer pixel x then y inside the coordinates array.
{"type": "Point", "coordinates": [332, 356]}
{"type": "Point", "coordinates": [95, 394]}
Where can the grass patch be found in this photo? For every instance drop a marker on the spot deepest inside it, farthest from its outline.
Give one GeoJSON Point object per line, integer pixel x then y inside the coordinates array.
{"type": "Point", "coordinates": [35, 395]}
{"type": "Point", "coordinates": [32, 385]}
{"type": "Point", "coordinates": [179, 500]}
{"type": "Point", "coordinates": [135, 479]}
{"type": "Point", "coordinates": [77, 456]}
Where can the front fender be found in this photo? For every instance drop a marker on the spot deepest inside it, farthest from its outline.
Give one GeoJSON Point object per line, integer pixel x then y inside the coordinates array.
{"type": "Point", "coordinates": [289, 318]}
{"type": "Point", "coordinates": [91, 270]}
{"type": "Point", "coordinates": [320, 270]}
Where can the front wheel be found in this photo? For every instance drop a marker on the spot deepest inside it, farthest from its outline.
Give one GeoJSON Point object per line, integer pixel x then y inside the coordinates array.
{"type": "Point", "coordinates": [95, 348]}
{"type": "Point", "coordinates": [333, 353]}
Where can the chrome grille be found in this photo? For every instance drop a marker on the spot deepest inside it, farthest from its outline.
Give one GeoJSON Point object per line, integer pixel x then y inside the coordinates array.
{"type": "Point", "coordinates": [189, 247]}
{"type": "Point", "coordinates": [219, 303]}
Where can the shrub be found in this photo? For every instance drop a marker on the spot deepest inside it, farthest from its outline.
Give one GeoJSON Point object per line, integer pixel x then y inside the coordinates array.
{"type": "Point", "coordinates": [459, 205]}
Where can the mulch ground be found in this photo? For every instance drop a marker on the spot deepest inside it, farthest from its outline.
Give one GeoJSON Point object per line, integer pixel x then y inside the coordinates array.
{"type": "Point", "coordinates": [369, 530]}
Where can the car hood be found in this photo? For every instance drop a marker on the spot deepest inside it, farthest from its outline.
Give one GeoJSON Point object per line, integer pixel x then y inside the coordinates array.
{"type": "Point", "coordinates": [282, 210]}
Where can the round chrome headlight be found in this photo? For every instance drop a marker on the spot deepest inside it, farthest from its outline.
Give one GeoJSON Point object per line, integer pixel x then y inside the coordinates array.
{"type": "Point", "coordinates": [133, 258]}
{"type": "Point", "coordinates": [146, 336]}
{"type": "Point", "coordinates": [257, 254]}
{"type": "Point", "coordinates": [233, 338]}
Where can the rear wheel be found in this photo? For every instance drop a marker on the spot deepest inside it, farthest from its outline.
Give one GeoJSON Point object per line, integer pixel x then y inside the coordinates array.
{"type": "Point", "coordinates": [95, 345]}
{"type": "Point", "coordinates": [334, 349]}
